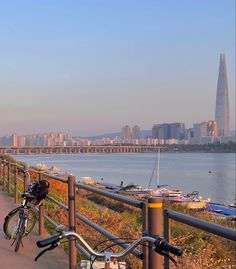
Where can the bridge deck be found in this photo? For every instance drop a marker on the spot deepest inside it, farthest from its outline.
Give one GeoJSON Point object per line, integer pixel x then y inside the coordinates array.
{"type": "Point", "coordinates": [24, 259]}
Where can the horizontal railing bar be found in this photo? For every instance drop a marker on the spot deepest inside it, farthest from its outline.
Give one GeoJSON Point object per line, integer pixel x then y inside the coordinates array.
{"type": "Point", "coordinates": [50, 220]}
{"type": "Point", "coordinates": [45, 174]}
{"type": "Point", "coordinates": [107, 234]}
{"type": "Point", "coordinates": [57, 202]}
{"type": "Point", "coordinates": [113, 196]}
{"type": "Point", "coordinates": [55, 177]}
{"type": "Point", "coordinates": [203, 225]}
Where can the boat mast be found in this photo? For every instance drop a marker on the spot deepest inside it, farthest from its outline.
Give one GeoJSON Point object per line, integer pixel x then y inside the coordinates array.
{"type": "Point", "coordinates": [158, 167]}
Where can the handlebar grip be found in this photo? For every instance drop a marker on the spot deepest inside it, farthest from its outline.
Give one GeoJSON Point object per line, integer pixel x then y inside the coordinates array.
{"type": "Point", "coordinates": [48, 241]}
{"type": "Point", "coordinates": [162, 245]}
{"type": "Point", "coordinates": [174, 250]}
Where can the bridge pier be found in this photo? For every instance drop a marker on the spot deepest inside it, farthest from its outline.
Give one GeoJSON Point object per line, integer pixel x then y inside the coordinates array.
{"type": "Point", "coordinates": [16, 151]}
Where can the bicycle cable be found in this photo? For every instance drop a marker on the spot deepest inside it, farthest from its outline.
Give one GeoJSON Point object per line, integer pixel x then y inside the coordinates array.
{"type": "Point", "coordinates": [113, 245]}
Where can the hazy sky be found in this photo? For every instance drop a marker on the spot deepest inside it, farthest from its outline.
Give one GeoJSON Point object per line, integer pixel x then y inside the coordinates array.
{"type": "Point", "coordinates": [92, 66]}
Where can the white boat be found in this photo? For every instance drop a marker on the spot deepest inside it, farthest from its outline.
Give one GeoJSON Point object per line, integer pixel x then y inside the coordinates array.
{"type": "Point", "coordinates": [164, 192]}
{"type": "Point", "coordinates": [136, 190]}
{"type": "Point", "coordinates": [41, 166]}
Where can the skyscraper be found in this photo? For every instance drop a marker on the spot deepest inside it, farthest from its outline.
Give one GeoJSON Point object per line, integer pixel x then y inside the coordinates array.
{"type": "Point", "coordinates": [222, 99]}
{"type": "Point", "coordinates": [126, 133]}
{"type": "Point", "coordinates": [136, 132]}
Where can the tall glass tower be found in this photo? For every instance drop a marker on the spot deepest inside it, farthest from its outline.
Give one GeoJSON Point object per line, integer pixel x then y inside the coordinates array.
{"type": "Point", "coordinates": [222, 99]}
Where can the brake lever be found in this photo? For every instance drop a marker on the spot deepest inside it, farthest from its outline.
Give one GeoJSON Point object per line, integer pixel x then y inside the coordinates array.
{"type": "Point", "coordinates": [165, 254]}
{"type": "Point", "coordinates": [45, 250]}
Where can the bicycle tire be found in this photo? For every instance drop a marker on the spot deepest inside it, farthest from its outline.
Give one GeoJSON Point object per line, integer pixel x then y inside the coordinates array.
{"type": "Point", "coordinates": [9, 219]}
{"type": "Point", "coordinates": [20, 234]}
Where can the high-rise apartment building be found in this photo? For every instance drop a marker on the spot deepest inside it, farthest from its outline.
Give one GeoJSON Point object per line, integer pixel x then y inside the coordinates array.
{"type": "Point", "coordinates": [136, 132]}
{"type": "Point", "coordinates": [21, 141]}
{"type": "Point", "coordinates": [200, 129]}
{"type": "Point", "coordinates": [222, 99]}
{"type": "Point", "coordinates": [14, 140]}
{"type": "Point", "coordinates": [126, 133]}
{"type": "Point", "coordinates": [161, 131]}
{"type": "Point", "coordinates": [177, 130]}
{"type": "Point", "coordinates": [204, 129]}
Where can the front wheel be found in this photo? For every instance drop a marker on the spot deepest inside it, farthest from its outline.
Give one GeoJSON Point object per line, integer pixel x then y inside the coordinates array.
{"type": "Point", "coordinates": [10, 225]}
{"type": "Point", "coordinates": [20, 234]}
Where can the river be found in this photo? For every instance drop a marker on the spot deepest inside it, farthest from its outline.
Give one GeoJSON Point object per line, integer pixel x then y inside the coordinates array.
{"type": "Point", "coordinates": [212, 174]}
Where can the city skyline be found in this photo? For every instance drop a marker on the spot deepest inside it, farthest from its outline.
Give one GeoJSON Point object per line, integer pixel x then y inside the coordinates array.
{"type": "Point", "coordinates": [90, 68]}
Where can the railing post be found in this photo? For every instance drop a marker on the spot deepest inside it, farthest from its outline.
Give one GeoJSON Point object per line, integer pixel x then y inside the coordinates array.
{"type": "Point", "coordinates": [155, 218]}
{"type": "Point", "coordinates": [166, 235]}
{"type": "Point", "coordinates": [41, 209]}
{"type": "Point", "coordinates": [1, 171]}
{"type": "Point", "coordinates": [145, 232]}
{"type": "Point", "coordinates": [71, 220]}
{"type": "Point", "coordinates": [8, 176]}
{"type": "Point", "coordinates": [25, 179]}
{"type": "Point", "coordinates": [15, 183]}
{"type": "Point", "coordinates": [4, 176]}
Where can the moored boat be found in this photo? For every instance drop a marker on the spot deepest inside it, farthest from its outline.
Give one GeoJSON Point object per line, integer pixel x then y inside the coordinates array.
{"type": "Point", "coordinates": [222, 209]}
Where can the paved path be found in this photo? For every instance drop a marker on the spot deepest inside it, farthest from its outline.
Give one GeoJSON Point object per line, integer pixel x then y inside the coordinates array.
{"type": "Point", "coordinates": [24, 259]}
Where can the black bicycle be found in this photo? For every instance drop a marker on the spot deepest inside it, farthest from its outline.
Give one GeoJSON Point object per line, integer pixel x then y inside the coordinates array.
{"type": "Point", "coordinates": [160, 245]}
{"type": "Point", "coordinates": [20, 221]}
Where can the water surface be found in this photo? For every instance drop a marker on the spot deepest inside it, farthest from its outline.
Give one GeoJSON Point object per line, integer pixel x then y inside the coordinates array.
{"type": "Point", "coordinates": [212, 174]}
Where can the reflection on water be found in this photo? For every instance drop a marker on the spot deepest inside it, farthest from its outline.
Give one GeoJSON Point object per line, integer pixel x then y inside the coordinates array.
{"type": "Point", "coordinates": [222, 182]}
{"type": "Point", "coordinates": [212, 174]}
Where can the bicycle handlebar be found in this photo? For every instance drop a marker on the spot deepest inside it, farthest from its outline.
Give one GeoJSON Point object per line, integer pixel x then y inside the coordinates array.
{"type": "Point", "coordinates": [161, 245]}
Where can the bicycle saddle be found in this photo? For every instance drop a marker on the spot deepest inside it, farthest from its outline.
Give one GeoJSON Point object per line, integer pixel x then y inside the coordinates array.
{"type": "Point", "coordinates": [28, 196]}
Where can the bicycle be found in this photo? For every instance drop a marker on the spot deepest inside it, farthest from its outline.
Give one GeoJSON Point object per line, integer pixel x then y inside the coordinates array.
{"type": "Point", "coordinates": [161, 246]}
{"type": "Point", "coordinates": [20, 221]}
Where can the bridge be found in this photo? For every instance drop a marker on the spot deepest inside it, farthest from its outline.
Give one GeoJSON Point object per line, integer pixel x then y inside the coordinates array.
{"type": "Point", "coordinates": [27, 150]}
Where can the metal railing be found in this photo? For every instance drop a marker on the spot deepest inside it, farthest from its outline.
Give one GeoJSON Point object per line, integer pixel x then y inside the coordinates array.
{"type": "Point", "coordinates": [152, 214]}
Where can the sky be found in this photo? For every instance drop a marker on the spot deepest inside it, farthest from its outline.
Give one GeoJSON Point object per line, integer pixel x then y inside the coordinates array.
{"type": "Point", "coordinates": [89, 67]}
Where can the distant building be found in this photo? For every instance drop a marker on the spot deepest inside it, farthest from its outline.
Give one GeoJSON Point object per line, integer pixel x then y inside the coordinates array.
{"type": "Point", "coordinates": [222, 100]}
{"type": "Point", "coordinates": [169, 131]}
{"type": "Point", "coordinates": [177, 131]}
{"type": "Point", "coordinates": [161, 131]}
{"type": "Point", "coordinates": [21, 141]}
{"type": "Point", "coordinates": [212, 128]}
{"type": "Point", "coordinates": [136, 132]}
{"type": "Point", "coordinates": [200, 129]}
{"type": "Point", "coordinates": [126, 133]}
{"type": "Point", "coordinates": [205, 129]}
{"type": "Point", "coordinates": [190, 133]}
{"type": "Point", "coordinates": [14, 140]}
